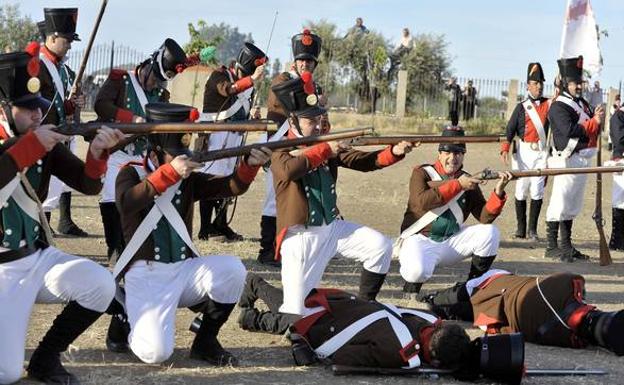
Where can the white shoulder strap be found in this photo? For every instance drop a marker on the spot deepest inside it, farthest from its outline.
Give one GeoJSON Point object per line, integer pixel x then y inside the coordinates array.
{"type": "Point", "coordinates": [56, 76]}
{"type": "Point", "coordinates": [138, 90]}
{"type": "Point", "coordinates": [578, 108]}
{"type": "Point", "coordinates": [531, 111]}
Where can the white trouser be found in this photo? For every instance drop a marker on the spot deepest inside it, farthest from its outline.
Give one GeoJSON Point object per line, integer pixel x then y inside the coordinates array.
{"type": "Point", "coordinates": [307, 251]}
{"type": "Point", "coordinates": [420, 255]}
{"type": "Point", "coordinates": [114, 164]}
{"type": "Point", "coordinates": [46, 276]}
{"type": "Point", "coordinates": [566, 199]}
{"type": "Point", "coordinates": [154, 290]}
{"type": "Point", "coordinates": [56, 187]}
{"type": "Point", "coordinates": [218, 141]}
{"type": "Point", "coordinates": [269, 209]}
{"type": "Point", "coordinates": [526, 159]}
{"type": "Point", "coordinates": [617, 189]}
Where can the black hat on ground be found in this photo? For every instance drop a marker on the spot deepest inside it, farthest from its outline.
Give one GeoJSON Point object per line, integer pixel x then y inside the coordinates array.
{"type": "Point", "coordinates": [168, 59]}
{"type": "Point", "coordinates": [249, 58]}
{"type": "Point", "coordinates": [571, 69]}
{"type": "Point", "coordinates": [453, 147]}
{"type": "Point", "coordinates": [299, 97]}
{"type": "Point", "coordinates": [175, 143]}
{"type": "Point", "coordinates": [306, 46]}
{"type": "Point", "coordinates": [61, 22]}
{"type": "Point", "coordinates": [535, 72]}
{"type": "Point", "coordinates": [19, 82]}
{"type": "Point", "coordinates": [502, 357]}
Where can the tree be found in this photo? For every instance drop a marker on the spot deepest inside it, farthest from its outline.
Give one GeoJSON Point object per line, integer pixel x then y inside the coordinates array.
{"type": "Point", "coordinates": [16, 31]}
{"type": "Point", "coordinates": [276, 68]}
{"type": "Point", "coordinates": [227, 39]}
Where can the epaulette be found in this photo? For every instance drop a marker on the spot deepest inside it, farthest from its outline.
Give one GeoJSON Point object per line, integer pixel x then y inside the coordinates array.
{"type": "Point", "coordinates": [117, 73]}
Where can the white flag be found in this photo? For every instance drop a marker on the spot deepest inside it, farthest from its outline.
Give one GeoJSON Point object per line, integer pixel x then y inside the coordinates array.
{"type": "Point", "coordinates": [580, 36]}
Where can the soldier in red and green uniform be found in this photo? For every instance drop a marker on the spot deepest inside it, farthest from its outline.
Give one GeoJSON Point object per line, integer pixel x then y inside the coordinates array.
{"type": "Point", "coordinates": [122, 98]}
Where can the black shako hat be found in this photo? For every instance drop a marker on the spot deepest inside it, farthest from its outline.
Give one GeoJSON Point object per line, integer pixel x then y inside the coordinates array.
{"type": "Point", "coordinates": [571, 69]}
{"type": "Point", "coordinates": [19, 82]}
{"type": "Point", "coordinates": [502, 357]}
{"type": "Point", "coordinates": [453, 147]}
{"type": "Point", "coordinates": [175, 143]}
{"type": "Point", "coordinates": [41, 27]}
{"type": "Point", "coordinates": [298, 96]}
{"type": "Point", "coordinates": [61, 22]}
{"type": "Point", "coordinates": [535, 72]}
{"type": "Point", "coordinates": [249, 58]}
{"type": "Point", "coordinates": [168, 60]}
{"type": "Point", "coordinates": [306, 46]}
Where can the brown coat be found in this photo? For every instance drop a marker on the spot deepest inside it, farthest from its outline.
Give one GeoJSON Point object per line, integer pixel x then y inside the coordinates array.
{"type": "Point", "coordinates": [135, 197]}
{"type": "Point", "coordinates": [515, 304]}
{"type": "Point", "coordinates": [425, 195]}
{"type": "Point", "coordinates": [217, 94]}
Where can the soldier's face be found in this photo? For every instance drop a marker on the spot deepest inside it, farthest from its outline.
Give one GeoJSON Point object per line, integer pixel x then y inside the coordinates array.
{"type": "Point", "coordinates": [59, 45]}
{"type": "Point", "coordinates": [305, 65]}
{"type": "Point", "coordinates": [575, 88]}
{"type": "Point", "coordinates": [535, 88]}
{"type": "Point", "coordinates": [25, 118]}
{"type": "Point", "coordinates": [451, 161]}
{"type": "Point", "coordinates": [310, 126]}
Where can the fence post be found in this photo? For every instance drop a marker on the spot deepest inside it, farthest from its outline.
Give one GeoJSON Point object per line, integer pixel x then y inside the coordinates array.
{"type": "Point", "coordinates": [512, 97]}
{"type": "Point", "coordinates": [401, 93]}
{"type": "Point", "coordinates": [112, 56]}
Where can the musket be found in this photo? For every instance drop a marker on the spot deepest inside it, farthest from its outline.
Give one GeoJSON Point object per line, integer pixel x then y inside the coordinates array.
{"type": "Point", "coordinates": [287, 143]}
{"type": "Point", "coordinates": [605, 254]}
{"type": "Point", "coordinates": [340, 370]}
{"type": "Point", "coordinates": [90, 129]}
{"type": "Point", "coordinates": [488, 174]}
{"type": "Point", "coordinates": [387, 140]}
{"type": "Point", "coordinates": [76, 87]}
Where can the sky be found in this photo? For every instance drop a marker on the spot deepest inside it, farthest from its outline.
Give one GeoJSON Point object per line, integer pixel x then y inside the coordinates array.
{"type": "Point", "coordinates": [491, 39]}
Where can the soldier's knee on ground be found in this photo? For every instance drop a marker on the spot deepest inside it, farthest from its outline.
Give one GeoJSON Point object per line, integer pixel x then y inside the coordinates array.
{"type": "Point", "coordinates": [152, 353]}
{"type": "Point", "coordinates": [10, 374]}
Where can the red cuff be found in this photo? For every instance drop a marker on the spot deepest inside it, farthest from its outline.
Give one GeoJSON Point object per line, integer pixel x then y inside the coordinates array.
{"type": "Point", "coordinates": [243, 84]}
{"type": "Point", "coordinates": [495, 204]}
{"type": "Point", "coordinates": [95, 168]}
{"type": "Point", "coordinates": [124, 116]}
{"type": "Point", "coordinates": [591, 129]}
{"type": "Point", "coordinates": [69, 107]}
{"type": "Point", "coordinates": [505, 146]}
{"type": "Point", "coordinates": [449, 189]}
{"type": "Point", "coordinates": [26, 151]}
{"type": "Point", "coordinates": [164, 177]}
{"type": "Point", "coordinates": [247, 173]}
{"type": "Point", "coordinates": [317, 154]}
{"type": "Point", "coordinates": [386, 158]}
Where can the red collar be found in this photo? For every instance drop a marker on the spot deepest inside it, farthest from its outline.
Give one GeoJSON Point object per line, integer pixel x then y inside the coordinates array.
{"type": "Point", "coordinates": [425, 338]}
{"type": "Point", "coordinates": [50, 55]}
{"type": "Point", "coordinates": [440, 169]}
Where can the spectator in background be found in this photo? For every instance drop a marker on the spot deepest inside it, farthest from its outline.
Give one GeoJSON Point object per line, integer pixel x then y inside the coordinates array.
{"type": "Point", "coordinates": [454, 97]}
{"type": "Point", "coordinates": [617, 104]}
{"type": "Point", "coordinates": [403, 48]}
{"type": "Point", "coordinates": [594, 96]}
{"type": "Point", "coordinates": [469, 99]}
{"type": "Point", "coordinates": [357, 29]}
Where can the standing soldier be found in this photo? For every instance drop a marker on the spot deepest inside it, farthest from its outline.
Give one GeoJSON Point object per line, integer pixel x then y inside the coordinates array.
{"type": "Point", "coordinates": [575, 131]}
{"type": "Point", "coordinates": [56, 82]}
{"type": "Point", "coordinates": [616, 134]}
{"type": "Point", "coordinates": [32, 270]}
{"type": "Point", "coordinates": [227, 97]}
{"type": "Point", "coordinates": [454, 99]}
{"type": "Point", "coordinates": [123, 98]}
{"type": "Point", "coordinates": [529, 122]}
{"type": "Point", "coordinates": [161, 267]}
{"type": "Point", "coordinates": [306, 49]}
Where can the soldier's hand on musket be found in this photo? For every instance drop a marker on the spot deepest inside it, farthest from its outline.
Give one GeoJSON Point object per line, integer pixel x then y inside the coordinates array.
{"type": "Point", "coordinates": [184, 166]}
{"type": "Point", "coordinates": [258, 157]}
{"type": "Point", "coordinates": [78, 100]}
{"type": "Point", "coordinates": [258, 74]}
{"type": "Point", "coordinates": [105, 138]}
{"type": "Point", "coordinates": [403, 148]}
{"type": "Point", "coordinates": [338, 146]}
{"type": "Point", "coordinates": [49, 138]}
{"type": "Point", "coordinates": [467, 182]}
{"type": "Point", "coordinates": [504, 178]}
{"type": "Point", "coordinates": [504, 155]}
{"type": "Point", "coordinates": [599, 114]}
{"type": "Point", "coordinates": [138, 119]}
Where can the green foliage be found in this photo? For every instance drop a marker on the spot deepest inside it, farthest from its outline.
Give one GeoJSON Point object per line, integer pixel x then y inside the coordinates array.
{"type": "Point", "coordinates": [227, 40]}
{"type": "Point", "coordinates": [16, 31]}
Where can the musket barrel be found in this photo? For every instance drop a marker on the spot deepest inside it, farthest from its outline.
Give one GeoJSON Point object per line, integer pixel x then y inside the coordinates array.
{"type": "Point", "coordinates": [89, 129]}
{"type": "Point", "coordinates": [566, 372]}
{"type": "Point", "coordinates": [387, 140]}
{"type": "Point", "coordinates": [489, 174]}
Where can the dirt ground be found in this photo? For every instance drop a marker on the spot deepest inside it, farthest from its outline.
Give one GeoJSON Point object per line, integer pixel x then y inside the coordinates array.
{"type": "Point", "coordinates": [378, 200]}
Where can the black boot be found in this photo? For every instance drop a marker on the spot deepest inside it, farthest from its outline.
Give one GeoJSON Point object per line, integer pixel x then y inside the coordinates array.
{"type": "Point", "coordinates": [266, 255]}
{"type": "Point", "coordinates": [534, 212]}
{"type": "Point", "coordinates": [521, 219]}
{"type": "Point", "coordinates": [206, 347]}
{"type": "Point", "coordinates": [450, 303]}
{"type": "Point", "coordinates": [118, 329]}
{"type": "Point", "coordinates": [221, 225]}
{"type": "Point", "coordinates": [412, 287]}
{"type": "Point", "coordinates": [206, 228]}
{"type": "Point", "coordinates": [66, 225]}
{"type": "Point", "coordinates": [45, 362]}
{"type": "Point", "coordinates": [48, 215]}
{"type": "Point", "coordinates": [254, 320]}
{"type": "Point", "coordinates": [552, 234]}
{"type": "Point", "coordinates": [604, 329]}
{"type": "Point", "coordinates": [617, 230]}
{"type": "Point", "coordinates": [480, 265]}
{"type": "Point", "coordinates": [370, 284]}
{"type": "Point", "coordinates": [569, 253]}
{"type": "Point", "coordinates": [113, 234]}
